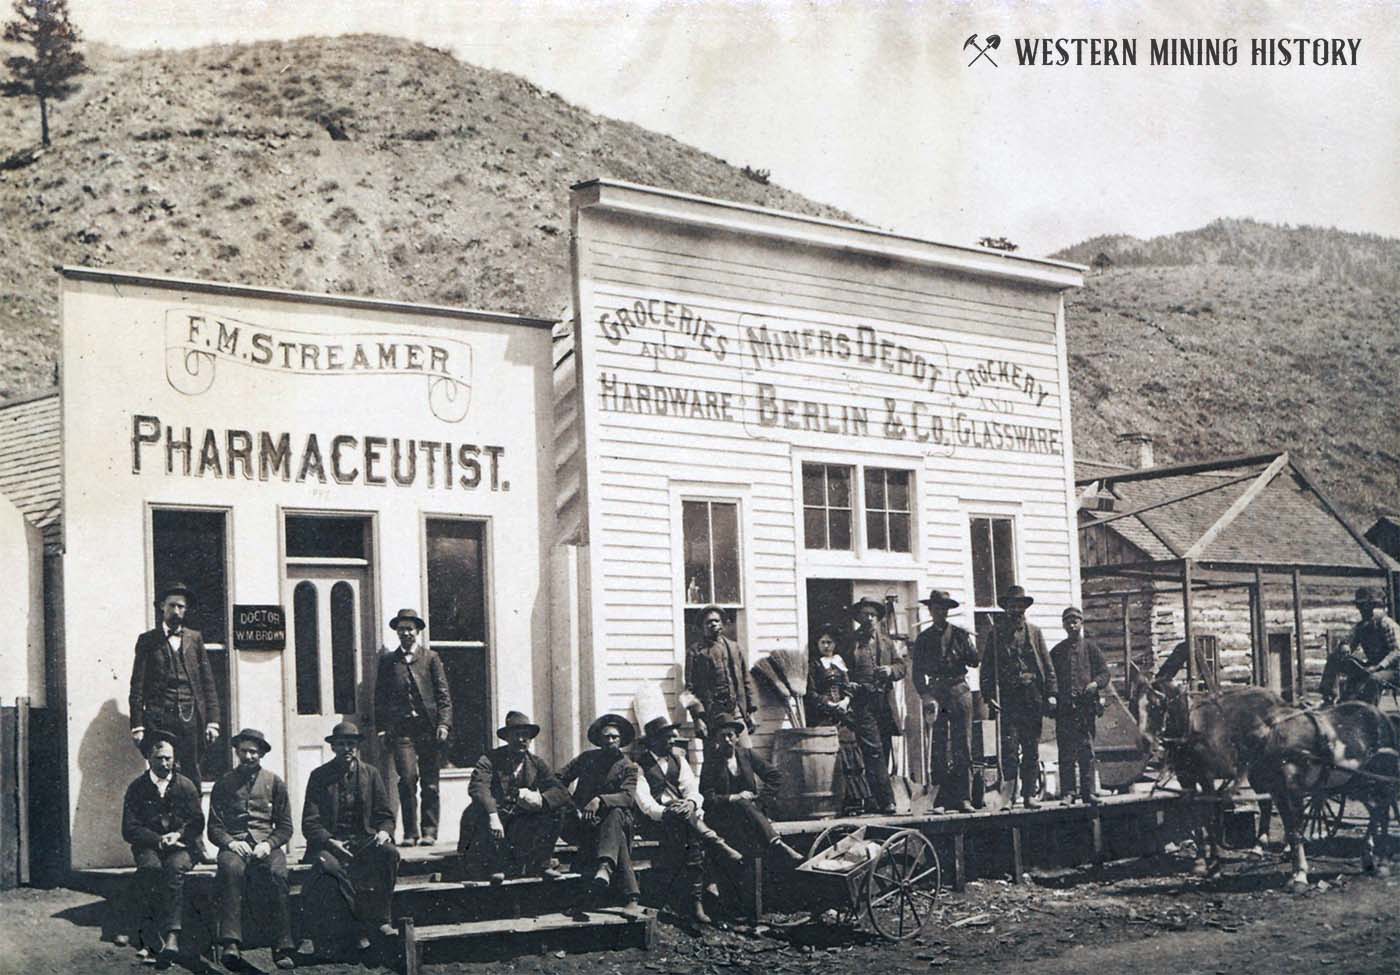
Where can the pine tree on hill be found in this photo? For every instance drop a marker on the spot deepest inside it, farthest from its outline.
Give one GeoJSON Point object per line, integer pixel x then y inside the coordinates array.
{"type": "Point", "coordinates": [43, 26]}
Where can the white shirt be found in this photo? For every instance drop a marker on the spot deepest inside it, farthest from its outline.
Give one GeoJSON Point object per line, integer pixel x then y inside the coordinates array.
{"type": "Point", "coordinates": [688, 784]}
{"type": "Point", "coordinates": [161, 784]}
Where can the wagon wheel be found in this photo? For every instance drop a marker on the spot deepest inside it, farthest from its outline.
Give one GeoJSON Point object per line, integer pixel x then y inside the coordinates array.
{"type": "Point", "coordinates": [901, 885]}
{"type": "Point", "coordinates": [1322, 814]}
{"type": "Point", "coordinates": [828, 837]}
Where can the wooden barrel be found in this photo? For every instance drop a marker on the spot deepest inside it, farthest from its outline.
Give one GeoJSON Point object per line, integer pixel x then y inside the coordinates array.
{"type": "Point", "coordinates": [807, 758]}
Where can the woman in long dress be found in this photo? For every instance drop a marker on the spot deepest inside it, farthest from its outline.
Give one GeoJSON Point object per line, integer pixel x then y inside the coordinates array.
{"type": "Point", "coordinates": [829, 703]}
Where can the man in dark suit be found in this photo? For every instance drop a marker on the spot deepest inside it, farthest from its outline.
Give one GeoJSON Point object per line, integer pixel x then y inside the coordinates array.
{"type": "Point", "coordinates": [348, 825]}
{"type": "Point", "coordinates": [1025, 689]}
{"type": "Point", "coordinates": [413, 711]}
{"type": "Point", "coordinates": [172, 685]}
{"type": "Point", "coordinates": [605, 793]}
{"type": "Point", "coordinates": [717, 679]}
{"type": "Point", "coordinates": [875, 666]}
{"type": "Point", "coordinates": [516, 809]}
{"type": "Point", "coordinates": [941, 655]}
{"type": "Point", "coordinates": [163, 822]}
{"type": "Point", "coordinates": [250, 821]}
{"type": "Point", "coordinates": [1081, 676]}
{"type": "Point", "coordinates": [739, 789]}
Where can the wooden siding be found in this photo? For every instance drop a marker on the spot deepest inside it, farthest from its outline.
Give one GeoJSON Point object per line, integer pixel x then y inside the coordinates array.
{"type": "Point", "coordinates": [31, 473]}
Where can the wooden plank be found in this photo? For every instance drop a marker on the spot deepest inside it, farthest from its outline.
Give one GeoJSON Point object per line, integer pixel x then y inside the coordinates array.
{"type": "Point", "coordinates": [22, 785]}
{"type": "Point", "coordinates": [1245, 499]}
{"type": "Point", "coordinates": [412, 955]}
{"type": "Point", "coordinates": [959, 861]}
{"type": "Point", "coordinates": [1017, 873]}
{"type": "Point", "coordinates": [1296, 691]}
{"type": "Point", "coordinates": [528, 925]}
{"type": "Point", "coordinates": [756, 882]}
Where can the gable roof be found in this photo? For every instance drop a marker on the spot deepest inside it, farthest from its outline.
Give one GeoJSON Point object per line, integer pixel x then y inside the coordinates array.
{"type": "Point", "coordinates": [31, 472]}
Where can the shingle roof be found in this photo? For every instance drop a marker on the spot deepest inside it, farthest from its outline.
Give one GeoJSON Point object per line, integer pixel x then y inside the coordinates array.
{"type": "Point", "coordinates": [31, 473]}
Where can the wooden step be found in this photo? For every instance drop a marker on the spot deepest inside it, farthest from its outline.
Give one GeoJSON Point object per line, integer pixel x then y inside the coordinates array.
{"type": "Point", "coordinates": [641, 924]}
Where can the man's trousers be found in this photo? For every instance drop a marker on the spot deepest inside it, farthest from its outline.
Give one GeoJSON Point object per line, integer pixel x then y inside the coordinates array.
{"type": "Point", "coordinates": [157, 892]}
{"type": "Point", "coordinates": [1020, 748]}
{"type": "Point", "coordinates": [1074, 739]}
{"type": "Point", "coordinates": [874, 743]}
{"type": "Point", "coordinates": [262, 883]}
{"type": "Point", "coordinates": [365, 884]}
{"type": "Point", "coordinates": [418, 762]}
{"type": "Point", "coordinates": [526, 849]}
{"type": "Point", "coordinates": [950, 759]}
{"type": "Point", "coordinates": [742, 823]}
{"type": "Point", "coordinates": [607, 840]}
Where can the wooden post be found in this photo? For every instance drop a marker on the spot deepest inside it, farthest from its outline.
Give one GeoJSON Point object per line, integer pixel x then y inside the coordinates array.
{"type": "Point", "coordinates": [1265, 664]}
{"type": "Point", "coordinates": [411, 958]}
{"type": "Point", "coordinates": [959, 861]}
{"type": "Point", "coordinates": [756, 877]}
{"type": "Point", "coordinates": [1127, 648]}
{"type": "Point", "coordinates": [1299, 662]}
{"type": "Point", "coordinates": [22, 785]}
{"type": "Point", "coordinates": [1188, 625]}
{"type": "Point", "coordinates": [1016, 873]}
{"type": "Point", "coordinates": [1096, 823]}
{"type": "Point", "coordinates": [1254, 611]}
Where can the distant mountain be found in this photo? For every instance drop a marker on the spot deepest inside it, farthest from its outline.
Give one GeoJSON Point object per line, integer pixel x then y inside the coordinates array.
{"type": "Point", "coordinates": [1243, 336]}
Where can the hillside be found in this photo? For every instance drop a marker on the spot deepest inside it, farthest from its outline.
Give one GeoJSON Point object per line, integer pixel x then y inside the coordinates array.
{"type": "Point", "coordinates": [373, 166]}
{"type": "Point", "coordinates": [1242, 336]}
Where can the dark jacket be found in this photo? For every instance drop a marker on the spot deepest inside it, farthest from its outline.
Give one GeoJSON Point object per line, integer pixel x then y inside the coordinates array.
{"type": "Point", "coordinates": [704, 674]}
{"type": "Point", "coordinates": [146, 817]}
{"type": "Point", "coordinates": [611, 778]}
{"type": "Point", "coordinates": [430, 677]}
{"type": "Point", "coordinates": [1077, 662]}
{"type": "Point", "coordinates": [755, 775]}
{"type": "Point", "coordinates": [886, 655]}
{"type": "Point", "coordinates": [488, 790]}
{"type": "Point", "coordinates": [318, 810]}
{"type": "Point", "coordinates": [1002, 655]}
{"type": "Point", "coordinates": [942, 656]}
{"type": "Point", "coordinates": [238, 814]}
{"type": "Point", "coordinates": [151, 669]}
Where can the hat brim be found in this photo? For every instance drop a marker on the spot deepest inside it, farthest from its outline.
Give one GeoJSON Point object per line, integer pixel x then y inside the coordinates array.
{"type": "Point", "coordinates": [950, 603]}
{"type": "Point", "coordinates": [169, 591]}
{"type": "Point", "coordinates": [332, 739]}
{"type": "Point", "coordinates": [1017, 601]}
{"type": "Point", "coordinates": [857, 607]}
{"type": "Point", "coordinates": [415, 620]}
{"type": "Point", "coordinates": [629, 734]}
{"type": "Point", "coordinates": [503, 731]}
{"type": "Point", "coordinates": [263, 746]}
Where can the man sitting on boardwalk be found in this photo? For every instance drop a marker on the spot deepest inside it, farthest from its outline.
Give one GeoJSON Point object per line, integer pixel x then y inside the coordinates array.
{"type": "Point", "coordinates": [516, 808]}
{"type": "Point", "coordinates": [739, 788]}
{"type": "Point", "coordinates": [250, 821]}
{"type": "Point", "coordinates": [348, 825]}
{"type": "Point", "coordinates": [600, 824]}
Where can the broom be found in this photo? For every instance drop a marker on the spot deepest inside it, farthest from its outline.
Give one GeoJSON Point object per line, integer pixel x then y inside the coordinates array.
{"type": "Point", "coordinates": [785, 672]}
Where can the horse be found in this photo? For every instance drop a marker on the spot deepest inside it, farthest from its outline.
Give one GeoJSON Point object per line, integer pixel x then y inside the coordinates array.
{"type": "Point", "coordinates": [1212, 740]}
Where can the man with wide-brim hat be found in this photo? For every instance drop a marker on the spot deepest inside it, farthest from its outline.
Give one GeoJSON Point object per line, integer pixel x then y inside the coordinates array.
{"type": "Point", "coordinates": [172, 683]}
{"type": "Point", "coordinates": [940, 658]}
{"type": "Point", "coordinates": [250, 822]}
{"type": "Point", "coordinates": [874, 666]}
{"type": "Point", "coordinates": [413, 714]}
{"type": "Point", "coordinates": [348, 825]}
{"type": "Point", "coordinates": [1370, 659]}
{"type": "Point", "coordinates": [1025, 690]}
{"type": "Point", "coordinates": [516, 810]}
{"type": "Point", "coordinates": [599, 822]}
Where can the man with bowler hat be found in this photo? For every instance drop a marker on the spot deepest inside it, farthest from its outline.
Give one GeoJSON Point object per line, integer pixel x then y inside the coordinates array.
{"type": "Point", "coordinates": [717, 678]}
{"type": "Point", "coordinates": [941, 655]}
{"type": "Point", "coordinates": [1081, 675]}
{"type": "Point", "coordinates": [348, 825]}
{"type": "Point", "coordinates": [875, 666]}
{"type": "Point", "coordinates": [1370, 655]}
{"type": "Point", "coordinates": [163, 822]}
{"type": "Point", "coordinates": [740, 790]}
{"type": "Point", "coordinates": [172, 684]}
{"type": "Point", "coordinates": [1024, 680]}
{"type": "Point", "coordinates": [516, 810]}
{"type": "Point", "coordinates": [250, 821]}
{"type": "Point", "coordinates": [604, 781]}
{"type": "Point", "coordinates": [413, 713]}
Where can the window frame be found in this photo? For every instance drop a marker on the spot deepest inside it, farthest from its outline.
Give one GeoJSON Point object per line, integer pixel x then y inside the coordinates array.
{"type": "Point", "coordinates": [886, 511]}
{"type": "Point", "coordinates": [854, 513]}
{"type": "Point", "coordinates": [860, 555]}
{"type": "Point", "coordinates": [713, 493]}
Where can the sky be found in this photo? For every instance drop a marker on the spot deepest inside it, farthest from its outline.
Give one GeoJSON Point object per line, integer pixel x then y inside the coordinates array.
{"type": "Point", "coordinates": [874, 107]}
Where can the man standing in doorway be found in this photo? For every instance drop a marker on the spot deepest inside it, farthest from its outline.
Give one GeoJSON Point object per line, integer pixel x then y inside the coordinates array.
{"type": "Point", "coordinates": [1025, 690]}
{"type": "Point", "coordinates": [1081, 675]}
{"type": "Point", "coordinates": [717, 679]}
{"type": "Point", "coordinates": [874, 666]}
{"type": "Point", "coordinates": [413, 713]}
{"type": "Point", "coordinates": [942, 653]}
{"type": "Point", "coordinates": [172, 684]}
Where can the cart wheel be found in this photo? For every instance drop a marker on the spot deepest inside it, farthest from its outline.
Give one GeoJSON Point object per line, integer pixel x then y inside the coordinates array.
{"type": "Point", "coordinates": [826, 838]}
{"type": "Point", "coordinates": [901, 885]}
{"type": "Point", "coordinates": [1322, 814]}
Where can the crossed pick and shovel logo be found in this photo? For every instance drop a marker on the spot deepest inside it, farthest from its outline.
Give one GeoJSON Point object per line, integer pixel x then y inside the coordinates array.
{"type": "Point", "coordinates": [983, 50]}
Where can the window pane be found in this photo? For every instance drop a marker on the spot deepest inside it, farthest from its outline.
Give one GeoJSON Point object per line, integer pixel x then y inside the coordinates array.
{"type": "Point", "coordinates": [306, 636]}
{"type": "Point", "coordinates": [899, 533]}
{"type": "Point", "coordinates": [695, 533]}
{"type": "Point", "coordinates": [456, 589]}
{"type": "Point", "coordinates": [897, 496]}
{"type": "Point", "coordinates": [1005, 553]}
{"type": "Point", "coordinates": [875, 530]}
{"type": "Point", "coordinates": [838, 485]}
{"type": "Point", "coordinates": [813, 484]}
{"type": "Point", "coordinates": [983, 585]}
{"type": "Point", "coordinates": [471, 704]}
{"type": "Point", "coordinates": [724, 520]}
{"type": "Point", "coordinates": [874, 488]}
{"type": "Point", "coordinates": [814, 527]}
{"type": "Point", "coordinates": [337, 538]}
{"type": "Point", "coordinates": [839, 529]}
{"type": "Point", "coordinates": [343, 651]}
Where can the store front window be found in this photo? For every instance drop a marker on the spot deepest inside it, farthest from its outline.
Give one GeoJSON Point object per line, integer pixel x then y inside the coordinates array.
{"type": "Point", "coordinates": [993, 566]}
{"type": "Point", "coordinates": [710, 531]}
{"type": "Point", "coordinates": [457, 629]}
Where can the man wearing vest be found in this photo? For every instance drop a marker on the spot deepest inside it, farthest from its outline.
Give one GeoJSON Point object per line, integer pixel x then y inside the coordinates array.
{"type": "Point", "coordinates": [941, 655]}
{"type": "Point", "coordinates": [516, 808]}
{"type": "Point", "coordinates": [172, 684]}
{"type": "Point", "coordinates": [413, 713]}
{"type": "Point", "coordinates": [717, 679]}
{"type": "Point", "coordinates": [739, 789]}
{"type": "Point", "coordinates": [1025, 690]}
{"type": "Point", "coordinates": [1081, 675]}
{"type": "Point", "coordinates": [605, 793]}
{"type": "Point", "coordinates": [669, 794]}
{"type": "Point", "coordinates": [874, 666]}
{"type": "Point", "coordinates": [348, 826]}
{"type": "Point", "coordinates": [1370, 656]}
{"type": "Point", "coordinates": [250, 821]}
{"type": "Point", "coordinates": [163, 822]}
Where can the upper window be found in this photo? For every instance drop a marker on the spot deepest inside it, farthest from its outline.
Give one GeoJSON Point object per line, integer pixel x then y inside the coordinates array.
{"type": "Point", "coordinates": [993, 559]}
{"type": "Point", "coordinates": [710, 533]}
{"type": "Point", "coordinates": [457, 627]}
{"type": "Point", "coordinates": [827, 506]}
{"type": "Point", "coordinates": [888, 509]}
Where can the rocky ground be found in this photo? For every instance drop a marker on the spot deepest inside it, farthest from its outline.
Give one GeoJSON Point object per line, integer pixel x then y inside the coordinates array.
{"type": "Point", "coordinates": [1145, 914]}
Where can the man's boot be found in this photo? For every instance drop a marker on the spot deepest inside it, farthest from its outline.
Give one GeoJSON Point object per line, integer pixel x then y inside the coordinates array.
{"type": "Point", "coordinates": [697, 909]}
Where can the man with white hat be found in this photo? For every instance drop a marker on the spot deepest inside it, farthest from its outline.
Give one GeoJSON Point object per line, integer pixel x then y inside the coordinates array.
{"type": "Point", "coordinates": [1024, 680]}
{"type": "Point", "coordinates": [942, 653]}
{"type": "Point", "coordinates": [1081, 675]}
